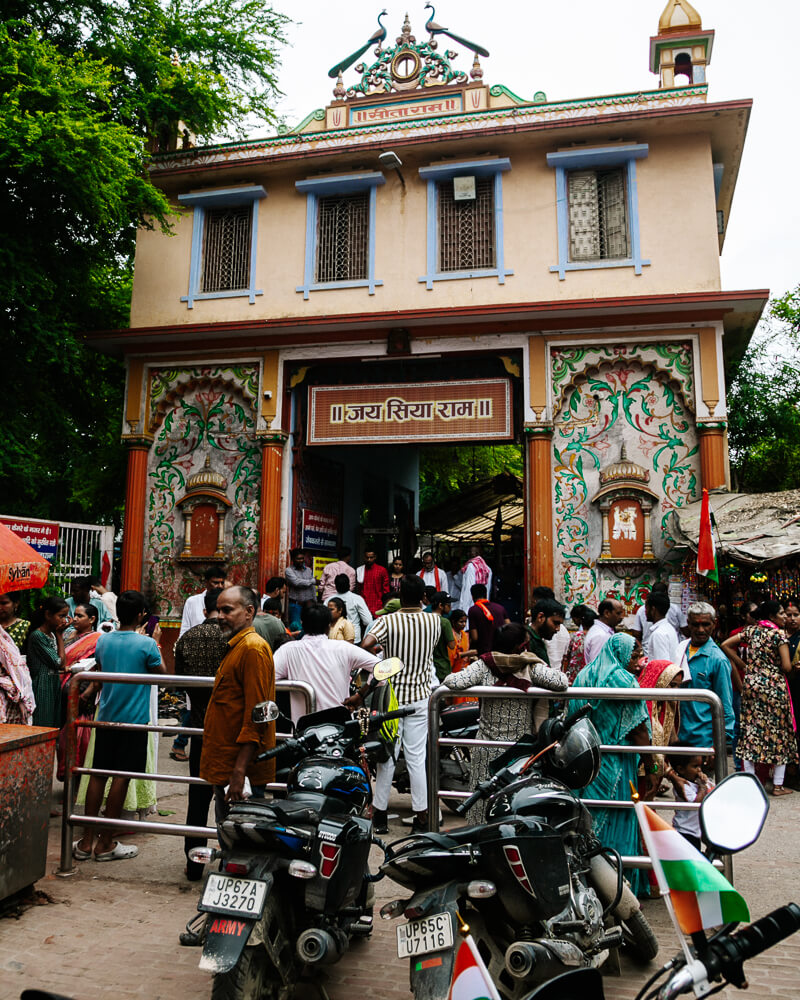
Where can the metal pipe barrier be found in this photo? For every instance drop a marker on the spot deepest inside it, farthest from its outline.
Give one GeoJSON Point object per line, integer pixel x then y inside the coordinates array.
{"type": "Point", "coordinates": [70, 819]}
{"type": "Point", "coordinates": [719, 749]}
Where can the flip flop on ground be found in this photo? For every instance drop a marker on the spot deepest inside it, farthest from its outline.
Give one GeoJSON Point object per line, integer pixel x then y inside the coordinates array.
{"type": "Point", "coordinates": [120, 852]}
{"type": "Point", "coordinates": [179, 754]}
{"type": "Point", "coordinates": [78, 854]}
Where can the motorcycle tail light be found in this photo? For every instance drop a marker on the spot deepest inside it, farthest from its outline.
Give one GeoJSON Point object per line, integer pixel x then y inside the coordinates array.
{"type": "Point", "coordinates": [236, 868]}
{"type": "Point", "coordinates": [202, 855]}
{"type": "Point", "coordinates": [392, 909]}
{"type": "Point", "coordinates": [481, 889]}
{"type": "Point", "coordinates": [302, 869]}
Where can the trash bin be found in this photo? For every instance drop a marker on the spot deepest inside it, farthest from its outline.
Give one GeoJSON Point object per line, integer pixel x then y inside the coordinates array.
{"type": "Point", "coordinates": [26, 784]}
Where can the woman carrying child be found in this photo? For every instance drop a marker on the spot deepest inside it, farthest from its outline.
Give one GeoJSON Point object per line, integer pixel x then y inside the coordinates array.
{"type": "Point", "coordinates": [691, 785]}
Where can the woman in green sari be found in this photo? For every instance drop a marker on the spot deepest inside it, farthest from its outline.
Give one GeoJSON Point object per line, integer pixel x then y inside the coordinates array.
{"type": "Point", "coordinates": [617, 723]}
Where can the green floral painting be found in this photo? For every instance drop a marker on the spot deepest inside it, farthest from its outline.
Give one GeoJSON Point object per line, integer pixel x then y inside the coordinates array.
{"type": "Point", "coordinates": [608, 395]}
{"type": "Point", "coordinates": [195, 413]}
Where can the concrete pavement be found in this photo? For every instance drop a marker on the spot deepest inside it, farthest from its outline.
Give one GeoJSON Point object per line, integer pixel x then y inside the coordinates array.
{"type": "Point", "coordinates": [112, 929]}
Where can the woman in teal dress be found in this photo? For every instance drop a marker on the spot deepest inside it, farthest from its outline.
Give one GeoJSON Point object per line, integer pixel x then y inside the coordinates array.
{"type": "Point", "coordinates": [44, 648]}
{"type": "Point", "coordinates": [617, 722]}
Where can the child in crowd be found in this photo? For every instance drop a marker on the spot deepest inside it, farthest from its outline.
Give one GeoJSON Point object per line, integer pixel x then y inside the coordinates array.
{"type": "Point", "coordinates": [461, 654]}
{"type": "Point", "coordinates": [691, 785]}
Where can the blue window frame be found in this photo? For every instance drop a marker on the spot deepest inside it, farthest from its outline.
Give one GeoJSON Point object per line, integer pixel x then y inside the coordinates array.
{"type": "Point", "coordinates": [327, 188]}
{"type": "Point", "coordinates": [434, 176]}
{"type": "Point", "coordinates": [207, 202]}
{"type": "Point", "coordinates": [599, 159]}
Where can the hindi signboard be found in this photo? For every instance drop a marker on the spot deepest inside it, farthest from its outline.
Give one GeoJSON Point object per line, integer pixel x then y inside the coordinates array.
{"type": "Point", "coordinates": [40, 535]}
{"type": "Point", "coordinates": [320, 531]}
{"type": "Point", "coordinates": [407, 111]}
{"type": "Point", "coordinates": [400, 413]}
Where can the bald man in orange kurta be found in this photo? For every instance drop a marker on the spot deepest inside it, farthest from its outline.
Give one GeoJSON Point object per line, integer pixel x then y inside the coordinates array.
{"type": "Point", "coordinates": [246, 676]}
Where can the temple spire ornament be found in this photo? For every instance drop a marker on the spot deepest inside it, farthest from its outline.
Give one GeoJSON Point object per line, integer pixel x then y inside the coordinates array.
{"type": "Point", "coordinates": [406, 65]}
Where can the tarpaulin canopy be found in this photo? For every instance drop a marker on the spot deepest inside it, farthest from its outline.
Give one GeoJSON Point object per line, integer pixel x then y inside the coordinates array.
{"type": "Point", "coordinates": [751, 527]}
{"type": "Point", "coordinates": [21, 567]}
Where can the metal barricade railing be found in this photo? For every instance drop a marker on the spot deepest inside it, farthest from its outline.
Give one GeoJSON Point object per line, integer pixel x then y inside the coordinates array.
{"type": "Point", "coordinates": [70, 819]}
{"type": "Point", "coordinates": [435, 741]}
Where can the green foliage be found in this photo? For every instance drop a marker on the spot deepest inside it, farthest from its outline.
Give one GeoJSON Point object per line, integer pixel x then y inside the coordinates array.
{"type": "Point", "coordinates": [86, 90]}
{"type": "Point", "coordinates": [446, 470]}
{"type": "Point", "coordinates": [764, 404]}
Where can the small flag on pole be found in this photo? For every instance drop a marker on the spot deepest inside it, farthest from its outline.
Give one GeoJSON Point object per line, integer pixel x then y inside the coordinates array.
{"type": "Point", "coordinates": [471, 979]}
{"type": "Point", "coordinates": [701, 896]}
{"type": "Point", "coordinates": [706, 552]}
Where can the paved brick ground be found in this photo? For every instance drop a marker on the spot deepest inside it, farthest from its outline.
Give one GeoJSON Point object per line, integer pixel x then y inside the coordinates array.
{"type": "Point", "coordinates": [111, 930]}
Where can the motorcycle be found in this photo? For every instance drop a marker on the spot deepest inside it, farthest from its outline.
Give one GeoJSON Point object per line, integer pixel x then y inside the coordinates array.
{"type": "Point", "coordinates": [293, 885]}
{"type": "Point", "coordinates": [732, 817]}
{"type": "Point", "coordinates": [537, 889]}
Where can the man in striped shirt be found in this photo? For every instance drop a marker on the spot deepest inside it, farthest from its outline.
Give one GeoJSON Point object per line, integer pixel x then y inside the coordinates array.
{"type": "Point", "coordinates": [411, 636]}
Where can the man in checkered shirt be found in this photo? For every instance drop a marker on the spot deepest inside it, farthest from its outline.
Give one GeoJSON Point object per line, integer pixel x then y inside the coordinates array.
{"type": "Point", "coordinates": [411, 636]}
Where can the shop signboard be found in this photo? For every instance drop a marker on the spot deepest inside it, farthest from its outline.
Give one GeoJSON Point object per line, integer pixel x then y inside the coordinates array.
{"type": "Point", "coordinates": [399, 413]}
{"type": "Point", "coordinates": [320, 531]}
{"type": "Point", "coordinates": [40, 535]}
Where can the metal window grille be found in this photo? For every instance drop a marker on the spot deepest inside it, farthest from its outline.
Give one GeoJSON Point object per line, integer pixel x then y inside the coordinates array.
{"type": "Point", "coordinates": [598, 218]}
{"type": "Point", "coordinates": [466, 228]}
{"type": "Point", "coordinates": [226, 250]}
{"type": "Point", "coordinates": [343, 238]}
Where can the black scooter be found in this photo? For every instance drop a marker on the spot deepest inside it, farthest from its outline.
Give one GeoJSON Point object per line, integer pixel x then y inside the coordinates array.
{"type": "Point", "coordinates": [538, 891]}
{"type": "Point", "coordinates": [732, 817]}
{"type": "Point", "coordinates": [293, 885]}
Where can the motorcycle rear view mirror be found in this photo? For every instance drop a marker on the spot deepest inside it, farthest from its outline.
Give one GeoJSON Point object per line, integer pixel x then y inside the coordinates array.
{"type": "Point", "coordinates": [265, 711]}
{"type": "Point", "coordinates": [732, 816]}
{"type": "Point", "coordinates": [387, 668]}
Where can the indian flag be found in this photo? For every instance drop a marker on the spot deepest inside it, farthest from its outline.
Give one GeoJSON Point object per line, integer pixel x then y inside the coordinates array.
{"type": "Point", "coordinates": [706, 551]}
{"type": "Point", "coordinates": [471, 979]}
{"type": "Point", "coordinates": [701, 896]}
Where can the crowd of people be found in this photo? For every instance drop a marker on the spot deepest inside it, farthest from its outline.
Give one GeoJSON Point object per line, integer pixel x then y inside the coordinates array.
{"type": "Point", "coordinates": [324, 631]}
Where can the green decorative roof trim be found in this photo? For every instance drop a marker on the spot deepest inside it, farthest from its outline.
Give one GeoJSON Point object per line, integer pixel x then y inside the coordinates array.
{"type": "Point", "coordinates": [498, 90]}
{"type": "Point", "coordinates": [164, 161]}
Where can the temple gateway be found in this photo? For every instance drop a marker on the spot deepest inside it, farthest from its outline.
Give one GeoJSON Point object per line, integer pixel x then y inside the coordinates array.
{"type": "Point", "coordinates": [431, 259]}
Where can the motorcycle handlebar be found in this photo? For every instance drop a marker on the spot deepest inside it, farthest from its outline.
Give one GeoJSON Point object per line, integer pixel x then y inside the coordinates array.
{"type": "Point", "coordinates": [378, 718]}
{"type": "Point", "coordinates": [731, 950]}
{"type": "Point", "coordinates": [727, 954]}
{"type": "Point", "coordinates": [462, 807]}
{"type": "Point", "coordinates": [276, 751]}
{"type": "Point", "coordinates": [581, 713]}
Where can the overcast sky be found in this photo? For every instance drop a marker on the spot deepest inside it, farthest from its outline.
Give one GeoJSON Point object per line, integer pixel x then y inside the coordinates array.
{"type": "Point", "coordinates": [553, 46]}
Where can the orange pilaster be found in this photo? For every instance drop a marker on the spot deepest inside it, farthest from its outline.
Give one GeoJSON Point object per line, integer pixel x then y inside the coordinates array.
{"type": "Point", "coordinates": [135, 501]}
{"type": "Point", "coordinates": [269, 526]}
{"type": "Point", "coordinates": [540, 511]}
{"type": "Point", "coordinates": [713, 466]}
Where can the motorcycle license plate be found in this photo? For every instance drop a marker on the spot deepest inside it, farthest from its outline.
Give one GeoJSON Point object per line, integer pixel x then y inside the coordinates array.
{"type": "Point", "coordinates": [418, 937]}
{"type": "Point", "coordinates": [242, 897]}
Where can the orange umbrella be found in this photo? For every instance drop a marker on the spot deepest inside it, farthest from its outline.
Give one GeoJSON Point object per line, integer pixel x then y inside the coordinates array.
{"type": "Point", "coordinates": [21, 566]}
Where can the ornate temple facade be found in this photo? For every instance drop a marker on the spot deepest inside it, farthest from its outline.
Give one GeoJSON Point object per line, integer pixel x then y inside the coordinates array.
{"type": "Point", "coordinates": [430, 259]}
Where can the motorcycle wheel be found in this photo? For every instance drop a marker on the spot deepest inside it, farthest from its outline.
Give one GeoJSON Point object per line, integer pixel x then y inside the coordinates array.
{"type": "Point", "coordinates": [249, 979]}
{"type": "Point", "coordinates": [640, 940]}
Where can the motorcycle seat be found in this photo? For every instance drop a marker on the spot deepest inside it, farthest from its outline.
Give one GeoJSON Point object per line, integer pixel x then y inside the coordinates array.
{"type": "Point", "coordinates": [448, 839]}
{"type": "Point", "coordinates": [283, 810]}
{"type": "Point", "coordinates": [457, 717]}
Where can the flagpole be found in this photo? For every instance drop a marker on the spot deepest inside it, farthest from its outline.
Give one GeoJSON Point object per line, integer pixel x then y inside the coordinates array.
{"type": "Point", "coordinates": [644, 827]}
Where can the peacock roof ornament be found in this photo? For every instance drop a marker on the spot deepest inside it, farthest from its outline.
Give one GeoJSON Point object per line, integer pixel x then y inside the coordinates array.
{"type": "Point", "coordinates": [406, 65]}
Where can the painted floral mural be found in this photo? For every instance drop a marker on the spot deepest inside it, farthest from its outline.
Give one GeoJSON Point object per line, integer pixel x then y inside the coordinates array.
{"type": "Point", "coordinates": [606, 396]}
{"type": "Point", "coordinates": [194, 413]}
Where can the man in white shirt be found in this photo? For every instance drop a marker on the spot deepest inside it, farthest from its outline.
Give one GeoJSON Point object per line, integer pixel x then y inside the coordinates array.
{"type": "Point", "coordinates": [323, 664]}
{"type": "Point", "coordinates": [609, 614]}
{"type": "Point", "coordinates": [558, 645]}
{"type": "Point", "coordinates": [431, 575]}
{"type": "Point", "coordinates": [475, 570]}
{"type": "Point", "coordinates": [358, 614]}
{"type": "Point", "coordinates": [662, 642]}
{"type": "Point", "coordinates": [194, 608]}
{"type": "Point", "coordinates": [675, 616]}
